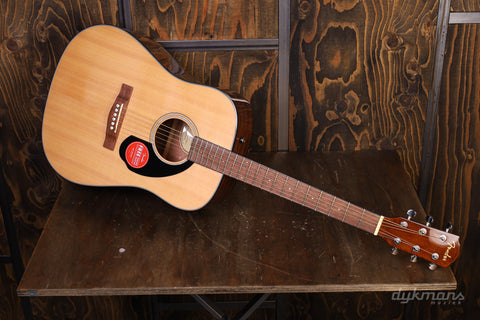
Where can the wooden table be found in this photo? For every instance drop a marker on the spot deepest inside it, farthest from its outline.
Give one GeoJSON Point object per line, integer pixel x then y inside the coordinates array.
{"type": "Point", "coordinates": [124, 241]}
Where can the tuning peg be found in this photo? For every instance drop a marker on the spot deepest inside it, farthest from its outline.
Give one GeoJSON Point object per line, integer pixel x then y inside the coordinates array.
{"type": "Point", "coordinates": [432, 266]}
{"type": "Point", "coordinates": [411, 214]}
{"type": "Point", "coordinates": [413, 258]}
{"type": "Point", "coordinates": [448, 227]}
{"type": "Point", "coordinates": [429, 221]}
{"type": "Point", "coordinates": [394, 251]}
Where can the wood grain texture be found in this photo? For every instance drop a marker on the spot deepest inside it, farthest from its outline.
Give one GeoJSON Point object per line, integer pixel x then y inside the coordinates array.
{"type": "Point", "coordinates": [359, 75]}
{"type": "Point", "coordinates": [455, 180]}
{"type": "Point", "coordinates": [253, 74]}
{"type": "Point", "coordinates": [206, 20]}
{"type": "Point", "coordinates": [265, 244]}
{"type": "Point", "coordinates": [33, 35]}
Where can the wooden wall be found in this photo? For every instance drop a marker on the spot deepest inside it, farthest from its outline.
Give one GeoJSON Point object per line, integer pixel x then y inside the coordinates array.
{"type": "Point", "coordinates": [253, 74]}
{"type": "Point", "coordinates": [360, 73]}
{"type": "Point", "coordinates": [455, 192]}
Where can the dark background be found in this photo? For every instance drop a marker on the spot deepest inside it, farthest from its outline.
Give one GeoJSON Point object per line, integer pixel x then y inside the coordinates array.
{"type": "Point", "coordinates": [360, 71]}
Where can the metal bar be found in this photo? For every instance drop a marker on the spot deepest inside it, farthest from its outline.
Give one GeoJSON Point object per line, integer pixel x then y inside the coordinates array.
{"type": "Point", "coordinates": [209, 305]}
{"type": "Point", "coordinates": [464, 17]}
{"type": "Point", "coordinates": [250, 307]}
{"type": "Point", "coordinates": [5, 259]}
{"type": "Point", "coordinates": [154, 309]}
{"type": "Point", "coordinates": [125, 14]}
{"type": "Point", "coordinates": [283, 73]}
{"type": "Point", "coordinates": [15, 257]}
{"type": "Point", "coordinates": [433, 97]}
{"type": "Point", "coordinates": [281, 306]}
{"type": "Point", "coordinates": [228, 305]}
{"type": "Point", "coordinates": [220, 45]}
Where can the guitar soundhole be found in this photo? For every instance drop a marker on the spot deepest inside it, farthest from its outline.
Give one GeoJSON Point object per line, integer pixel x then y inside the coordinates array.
{"type": "Point", "coordinates": [173, 137]}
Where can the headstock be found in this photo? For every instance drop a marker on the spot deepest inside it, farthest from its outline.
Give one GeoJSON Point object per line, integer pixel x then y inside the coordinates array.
{"type": "Point", "coordinates": [437, 246]}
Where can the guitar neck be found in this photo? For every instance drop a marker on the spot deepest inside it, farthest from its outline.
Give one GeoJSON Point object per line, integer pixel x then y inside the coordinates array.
{"type": "Point", "coordinates": [240, 168]}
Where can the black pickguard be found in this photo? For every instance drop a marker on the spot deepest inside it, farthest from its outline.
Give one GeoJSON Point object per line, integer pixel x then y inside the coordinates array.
{"type": "Point", "coordinates": [154, 166]}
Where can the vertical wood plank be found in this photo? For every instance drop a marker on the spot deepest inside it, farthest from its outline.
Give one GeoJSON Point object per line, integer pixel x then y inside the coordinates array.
{"type": "Point", "coordinates": [455, 180]}
{"type": "Point", "coordinates": [33, 35]}
{"type": "Point", "coordinates": [253, 74]}
{"type": "Point", "coordinates": [359, 75]}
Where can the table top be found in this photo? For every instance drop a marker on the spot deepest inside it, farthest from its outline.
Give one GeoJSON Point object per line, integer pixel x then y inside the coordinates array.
{"type": "Point", "coordinates": [126, 241]}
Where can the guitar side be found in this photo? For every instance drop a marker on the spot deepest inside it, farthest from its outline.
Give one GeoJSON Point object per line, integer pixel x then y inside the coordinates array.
{"type": "Point", "coordinates": [100, 67]}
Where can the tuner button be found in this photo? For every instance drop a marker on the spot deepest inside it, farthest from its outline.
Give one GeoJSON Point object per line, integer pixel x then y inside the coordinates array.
{"type": "Point", "coordinates": [413, 258]}
{"type": "Point", "coordinates": [432, 266]}
{"type": "Point", "coordinates": [448, 227]}
{"type": "Point", "coordinates": [411, 214]}
{"type": "Point", "coordinates": [429, 221]}
{"type": "Point", "coordinates": [394, 251]}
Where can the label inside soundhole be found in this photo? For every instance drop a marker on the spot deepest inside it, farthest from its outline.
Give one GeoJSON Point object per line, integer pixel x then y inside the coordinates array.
{"type": "Point", "coordinates": [136, 154]}
{"type": "Point", "coordinates": [173, 138]}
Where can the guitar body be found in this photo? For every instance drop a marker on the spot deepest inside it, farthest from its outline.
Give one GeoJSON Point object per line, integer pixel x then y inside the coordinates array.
{"type": "Point", "coordinates": [113, 110]}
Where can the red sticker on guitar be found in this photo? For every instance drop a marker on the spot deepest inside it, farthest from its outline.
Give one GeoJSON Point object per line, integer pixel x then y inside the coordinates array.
{"type": "Point", "coordinates": [136, 154]}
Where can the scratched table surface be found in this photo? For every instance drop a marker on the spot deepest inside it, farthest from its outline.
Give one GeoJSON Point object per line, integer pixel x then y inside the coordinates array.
{"type": "Point", "coordinates": [125, 241]}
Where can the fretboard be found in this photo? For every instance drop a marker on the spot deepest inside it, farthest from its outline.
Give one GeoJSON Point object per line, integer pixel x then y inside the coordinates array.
{"type": "Point", "coordinates": [238, 167]}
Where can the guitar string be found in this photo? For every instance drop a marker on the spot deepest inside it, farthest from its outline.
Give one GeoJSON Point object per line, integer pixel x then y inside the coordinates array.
{"type": "Point", "coordinates": [386, 222]}
{"type": "Point", "coordinates": [385, 234]}
{"type": "Point", "coordinates": [285, 183]}
{"type": "Point", "coordinates": [168, 132]}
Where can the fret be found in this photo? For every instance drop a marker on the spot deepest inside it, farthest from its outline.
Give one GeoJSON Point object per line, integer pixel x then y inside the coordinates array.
{"type": "Point", "coordinates": [215, 155]}
{"type": "Point", "coordinates": [198, 150]}
{"type": "Point", "coordinates": [248, 170]}
{"type": "Point", "coordinates": [293, 194]}
{"type": "Point", "coordinates": [233, 164]}
{"type": "Point", "coordinates": [226, 162]}
{"type": "Point", "coordinates": [203, 152]}
{"type": "Point", "coordinates": [266, 172]}
{"type": "Point", "coordinates": [283, 188]}
{"type": "Point", "coordinates": [240, 169]}
{"type": "Point", "coordinates": [256, 173]}
{"type": "Point", "coordinates": [306, 194]}
{"type": "Point", "coordinates": [318, 200]}
{"type": "Point", "coordinates": [220, 160]}
{"type": "Point", "coordinates": [360, 218]}
{"type": "Point", "coordinates": [345, 213]}
{"type": "Point", "coordinates": [330, 210]}
{"type": "Point", "coordinates": [208, 155]}
{"type": "Point", "coordinates": [274, 180]}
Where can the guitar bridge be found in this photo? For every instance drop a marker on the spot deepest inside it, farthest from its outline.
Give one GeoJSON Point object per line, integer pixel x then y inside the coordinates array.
{"type": "Point", "coordinates": [116, 116]}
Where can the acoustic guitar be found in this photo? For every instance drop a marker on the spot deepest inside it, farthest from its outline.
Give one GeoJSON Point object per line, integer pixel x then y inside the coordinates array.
{"type": "Point", "coordinates": [116, 117]}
